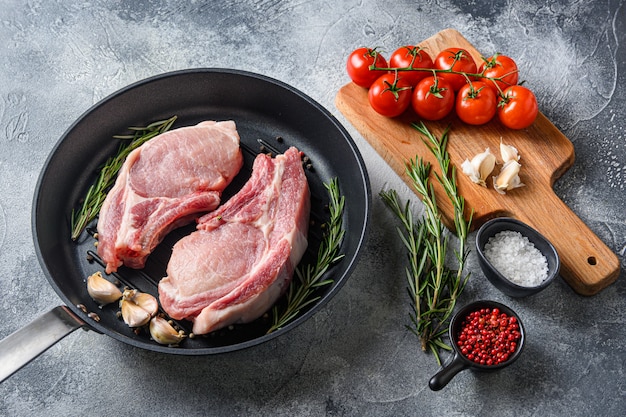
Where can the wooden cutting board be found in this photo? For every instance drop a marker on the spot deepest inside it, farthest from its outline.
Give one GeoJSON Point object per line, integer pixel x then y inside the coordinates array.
{"type": "Point", "coordinates": [587, 264]}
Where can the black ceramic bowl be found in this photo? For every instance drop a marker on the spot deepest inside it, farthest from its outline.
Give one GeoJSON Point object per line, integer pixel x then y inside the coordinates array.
{"type": "Point", "coordinates": [494, 226]}
{"type": "Point", "coordinates": [460, 362]}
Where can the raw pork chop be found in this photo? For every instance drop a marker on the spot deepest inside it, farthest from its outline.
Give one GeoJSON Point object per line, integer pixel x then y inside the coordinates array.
{"type": "Point", "coordinates": [242, 257]}
{"type": "Point", "coordinates": [166, 183]}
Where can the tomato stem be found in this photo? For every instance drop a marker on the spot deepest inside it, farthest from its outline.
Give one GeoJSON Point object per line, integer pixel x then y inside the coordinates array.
{"type": "Point", "coordinates": [434, 89]}
{"type": "Point", "coordinates": [473, 92]}
{"type": "Point", "coordinates": [445, 71]}
{"type": "Point", "coordinates": [394, 89]}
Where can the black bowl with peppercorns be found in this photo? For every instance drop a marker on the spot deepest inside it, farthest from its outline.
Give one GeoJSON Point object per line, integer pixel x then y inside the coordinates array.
{"type": "Point", "coordinates": [485, 336]}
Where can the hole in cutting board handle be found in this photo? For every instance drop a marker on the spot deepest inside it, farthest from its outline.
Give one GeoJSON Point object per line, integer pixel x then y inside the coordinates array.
{"type": "Point", "coordinates": [592, 260]}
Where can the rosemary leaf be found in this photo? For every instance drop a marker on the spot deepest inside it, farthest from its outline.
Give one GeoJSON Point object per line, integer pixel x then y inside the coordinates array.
{"type": "Point", "coordinates": [309, 278]}
{"type": "Point", "coordinates": [96, 194]}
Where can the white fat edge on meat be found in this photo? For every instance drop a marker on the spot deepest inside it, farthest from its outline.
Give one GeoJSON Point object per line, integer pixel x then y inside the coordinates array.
{"type": "Point", "coordinates": [265, 223]}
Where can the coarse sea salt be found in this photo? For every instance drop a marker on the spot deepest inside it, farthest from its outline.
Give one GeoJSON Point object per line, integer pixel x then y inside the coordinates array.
{"type": "Point", "coordinates": [516, 258]}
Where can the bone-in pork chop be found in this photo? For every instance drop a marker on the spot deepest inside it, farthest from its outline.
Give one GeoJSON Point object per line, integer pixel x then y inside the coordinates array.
{"type": "Point", "coordinates": [243, 255]}
{"type": "Point", "coordinates": [164, 184]}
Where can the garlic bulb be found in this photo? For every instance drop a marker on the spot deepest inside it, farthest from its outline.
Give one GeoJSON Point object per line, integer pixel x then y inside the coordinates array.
{"type": "Point", "coordinates": [164, 333]}
{"type": "Point", "coordinates": [138, 308]}
{"type": "Point", "coordinates": [102, 290]}
{"type": "Point", "coordinates": [508, 153]}
{"type": "Point", "coordinates": [508, 178]}
{"type": "Point", "coordinates": [479, 168]}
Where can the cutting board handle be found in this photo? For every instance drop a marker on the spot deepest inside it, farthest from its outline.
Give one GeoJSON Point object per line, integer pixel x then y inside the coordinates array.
{"type": "Point", "coordinates": [587, 264]}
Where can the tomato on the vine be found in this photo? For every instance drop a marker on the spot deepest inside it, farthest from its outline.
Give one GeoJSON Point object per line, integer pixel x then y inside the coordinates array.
{"type": "Point", "coordinates": [517, 108]}
{"type": "Point", "coordinates": [476, 103]}
{"type": "Point", "coordinates": [390, 95]}
{"type": "Point", "coordinates": [411, 57]}
{"type": "Point", "coordinates": [503, 71]}
{"type": "Point", "coordinates": [458, 60]}
{"type": "Point", "coordinates": [358, 66]}
{"type": "Point", "coordinates": [433, 98]}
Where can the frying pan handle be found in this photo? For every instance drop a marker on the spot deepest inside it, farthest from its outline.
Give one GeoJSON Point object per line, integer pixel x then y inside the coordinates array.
{"type": "Point", "coordinates": [24, 345]}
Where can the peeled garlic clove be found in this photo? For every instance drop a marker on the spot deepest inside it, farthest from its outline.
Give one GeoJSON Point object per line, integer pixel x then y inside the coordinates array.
{"type": "Point", "coordinates": [133, 314]}
{"type": "Point", "coordinates": [102, 290]}
{"type": "Point", "coordinates": [479, 168]}
{"type": "Point", "coordinates": [508, 153]}
{"type": "Point", "coordinates": [164, 333]}
{"type": "Point", "coordinates": [508, 178]}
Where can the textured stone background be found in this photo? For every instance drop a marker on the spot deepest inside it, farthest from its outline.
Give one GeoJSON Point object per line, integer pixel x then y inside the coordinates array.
{"type": "Point", "coordinates": [57, 58]}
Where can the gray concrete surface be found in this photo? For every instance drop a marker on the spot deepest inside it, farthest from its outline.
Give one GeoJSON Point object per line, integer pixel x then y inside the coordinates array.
{"type": "Point", "coordinates": [354, 358]}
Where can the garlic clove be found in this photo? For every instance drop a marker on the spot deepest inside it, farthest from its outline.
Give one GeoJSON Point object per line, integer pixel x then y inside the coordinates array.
{"type": "Point", "coordinates": [138, 308]}
{"type": "Point", "coordinates": [102, 290]}
{"type": "Point", "coordinates": [133, 314]}
{"type": "Point", "coordinates": [508, 153]}
{"type": "Point", "coordinates": [164, 333]}
{"type": "Point", "coordinates": [479, 168]}
{"type": "Point", "coordinates": [486, 164]}
{"type": "Point", "coordinates": [508, 178]}
{"type": "Point", "coordinates": [147, 301]}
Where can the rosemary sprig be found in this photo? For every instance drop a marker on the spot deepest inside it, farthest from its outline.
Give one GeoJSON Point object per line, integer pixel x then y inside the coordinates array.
{"type": "Point", "coordinates": [98, 190]}
{"type": "Point", "coordinates": [309, 278]}
{"type": "Point", "coordinates": [433, 287]}
{"type": "Point", "coordinates": [448, 180]}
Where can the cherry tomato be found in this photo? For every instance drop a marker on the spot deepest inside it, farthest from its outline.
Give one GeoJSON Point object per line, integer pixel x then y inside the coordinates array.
{"type": "Point", "coordinates": [517, 108]}
{"type": "Point", "coordinates": [456, 59]}
{"type": "Point", "coordinates": [503, 68]}
{"type": "Point", "coordinates": [390, 95]}
{"type": "Point", "coordinates": [411, 57]}
{"type": "Point", "coordinates": [358, 66]}
{"type": "Point", "coordinates": [433, 98]}
{"type": "Point", "coordinates": [476, 103]}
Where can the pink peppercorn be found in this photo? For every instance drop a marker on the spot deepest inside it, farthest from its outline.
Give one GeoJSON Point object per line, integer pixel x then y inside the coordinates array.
{"type": "Point", "coordinates": [488, 336]}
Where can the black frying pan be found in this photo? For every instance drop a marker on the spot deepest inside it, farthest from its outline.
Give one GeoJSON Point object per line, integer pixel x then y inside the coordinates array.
{"type": "Point", "coordinates": [263, 109]}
